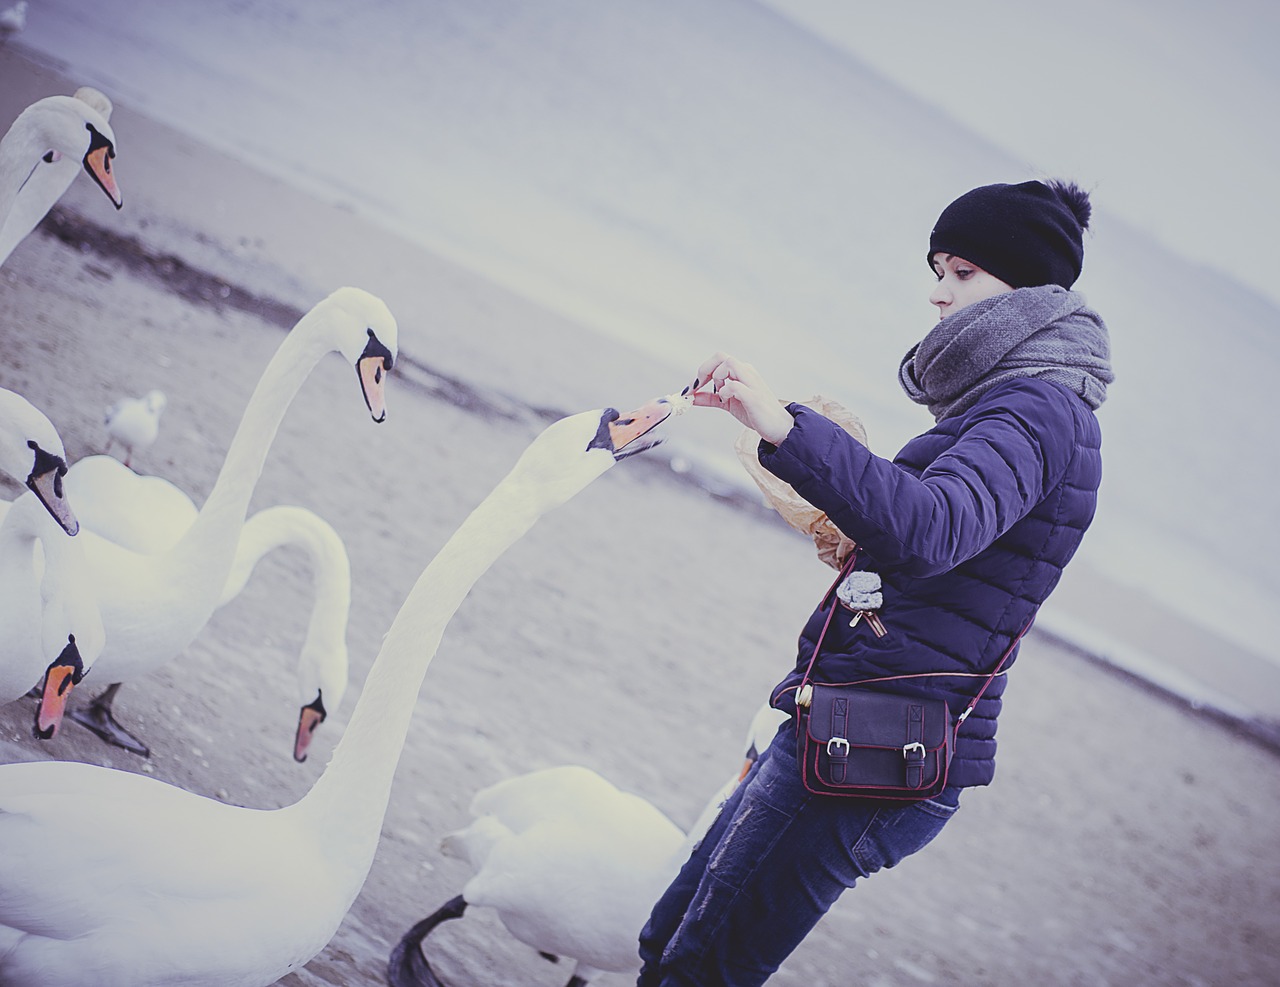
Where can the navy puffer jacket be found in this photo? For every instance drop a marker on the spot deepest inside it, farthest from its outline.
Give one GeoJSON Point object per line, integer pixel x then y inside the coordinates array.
{"type": "Point", "coordinates": [969, 527]}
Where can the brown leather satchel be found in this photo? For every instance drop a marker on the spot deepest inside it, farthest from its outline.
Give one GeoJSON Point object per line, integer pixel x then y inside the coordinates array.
{"type": "Point", "coordinates": [860, 740]}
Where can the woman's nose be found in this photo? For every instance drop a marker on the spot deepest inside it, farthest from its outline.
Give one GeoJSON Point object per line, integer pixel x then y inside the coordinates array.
{"type": "Point", "coordinates": [941, 295]}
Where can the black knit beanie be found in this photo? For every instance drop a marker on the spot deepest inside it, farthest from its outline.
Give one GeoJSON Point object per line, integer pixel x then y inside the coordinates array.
{"type": "Point", "coordinates": [1026, 235]}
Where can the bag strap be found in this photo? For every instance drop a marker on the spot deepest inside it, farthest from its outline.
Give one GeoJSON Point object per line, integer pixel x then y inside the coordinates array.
{"type": "Point", "coordinates": [827, 597]}
{"type": "Point", "coordinates": [999, 667]}
{"type": "Point", "coordinates": [844, 571]}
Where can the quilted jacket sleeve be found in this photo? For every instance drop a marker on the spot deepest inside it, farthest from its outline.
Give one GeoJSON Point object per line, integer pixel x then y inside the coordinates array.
{"type": "Point", "coordinates": [951, 492]}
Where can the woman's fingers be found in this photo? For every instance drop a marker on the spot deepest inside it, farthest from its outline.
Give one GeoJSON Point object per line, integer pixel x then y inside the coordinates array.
{"type": "Point", "coordinates": [707, 368]}
{"type": "Point", "coordinates": [732, 396]}
{"type": "Point", "coordinates": [736, 387]}
{"type": "Point", "coordinates": [719, 367]}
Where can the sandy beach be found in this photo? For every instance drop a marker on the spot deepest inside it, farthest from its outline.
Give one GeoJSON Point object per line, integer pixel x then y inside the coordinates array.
{"type": "Point", "coordinates": [1127, 840]}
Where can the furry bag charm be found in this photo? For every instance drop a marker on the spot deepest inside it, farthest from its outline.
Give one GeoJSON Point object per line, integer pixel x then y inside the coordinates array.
{"type": "Point", "coordinates": [860, 592]}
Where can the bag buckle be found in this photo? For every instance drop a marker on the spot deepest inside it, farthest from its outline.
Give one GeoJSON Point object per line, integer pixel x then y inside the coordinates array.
{"type": "Point", "coordinates": [837, 747]}
{"type": "Point", "coordinates": [914, 751]}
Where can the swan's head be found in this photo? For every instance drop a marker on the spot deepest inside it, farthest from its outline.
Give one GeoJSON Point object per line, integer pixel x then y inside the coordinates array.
{"type": "Point", "coordinates": [573, 451]}
{"type": "Point", "coordinates": [97, 163]}
{"type": "Point", "coordinates": [74, 128]}
{"type": "Point", "coordinates": [102, 142]}
{"type": "Point", "coordinates": [310, 717]}
{"type": "Point", "coordinates": [155, 402]}
{"type": "Point", "coordinates": [368, 337]}
{"type": "Point", "coordinates": [322, 682]}
{"type": "Point", "coordinates": [62, 675]}
{"type": "Point", "coordinates": [632, 433]}
{"type": "Point", "coordinates": [31, 451]}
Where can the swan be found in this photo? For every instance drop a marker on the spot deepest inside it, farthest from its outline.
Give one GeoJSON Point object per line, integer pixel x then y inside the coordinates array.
{"type": "Point", "coordinates": [43, 151]}
{"type": "Point", "coordinates": [50, 629]}
{"type": "Point", "coordinates": [120, 880]}
{"type": "Point", "coordinates": [154, 604]}
{"type": "Point", "coordinates": [13, 20]}
{"type": "Point", "coordinates": [150, 514]}
{"type": "Point", "coordinates": [31, 452]}
{"type": "Point", "coordinates": [321, 672]}
{"type": "Point", "coordinates": [134, 422]}
{"type": "Point", "coordinates": [49, 625]}
{"type": "Point", "coordinates": [571, 864]}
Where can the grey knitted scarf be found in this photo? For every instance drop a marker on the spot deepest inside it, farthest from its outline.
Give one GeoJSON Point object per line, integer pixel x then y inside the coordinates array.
{"type": "Point", "coordinates": [1045, 331]}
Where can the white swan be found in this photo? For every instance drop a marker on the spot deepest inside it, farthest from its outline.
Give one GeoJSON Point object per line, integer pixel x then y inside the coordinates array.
{"type": "Point", "coordinates": [571, 864]}
{"type": "Point", "coordinates": [50, 629]}
{"type": "Point", "coordinates": [49, 626]}
{"type": "Point", "coordinates": [31, 452]}
{"type": "Point", "coordinates": [42, 153]}
{"type": "Point", "coordinates": [118, 880]}
{"type": "Point", "coordinates": [13, 20]}
{"type": "Point", "coordinates": [321, 672]}
{"type": "Point", "coordinates": [153, 605]}
{"type": "Point", "coordinates": [150, 514]}
{"type": "Point", "coordinates": [134, 423]}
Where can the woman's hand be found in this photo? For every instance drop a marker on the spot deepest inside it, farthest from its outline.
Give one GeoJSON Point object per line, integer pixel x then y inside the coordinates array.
{"type": "Point", "coordinates": [739, 389]}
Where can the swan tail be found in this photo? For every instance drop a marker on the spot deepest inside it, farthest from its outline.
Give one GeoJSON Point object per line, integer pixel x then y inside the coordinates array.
{"type": "Point", "coordinates": [474, 843]}
{"type": "Point", "coordinates": [407, 966]}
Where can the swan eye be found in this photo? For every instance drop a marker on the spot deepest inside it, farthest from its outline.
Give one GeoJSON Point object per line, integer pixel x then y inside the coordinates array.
{"type": "Point", "coordinates": [49, 157]}
{"type": "Point", "coordinates": [317, 707]}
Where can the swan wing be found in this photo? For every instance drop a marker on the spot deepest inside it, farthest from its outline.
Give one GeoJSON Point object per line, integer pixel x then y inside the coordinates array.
{"type": "Point", "coordinates": [142, 513]}
{"type": "Point", "coordinates": [107, 870]}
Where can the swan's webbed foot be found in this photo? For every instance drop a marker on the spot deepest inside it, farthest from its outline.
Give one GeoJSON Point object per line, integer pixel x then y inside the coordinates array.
{"type": "Point", "coordinates": [407, 966]}
{"type": "Point", "coordinates": [97, 717]}
{"type": "Point", "coordinates": [575, 980]}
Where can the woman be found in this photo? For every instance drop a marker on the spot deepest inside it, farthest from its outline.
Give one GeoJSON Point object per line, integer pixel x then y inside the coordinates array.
{"type": "Point", "coordinates": [969, 529]}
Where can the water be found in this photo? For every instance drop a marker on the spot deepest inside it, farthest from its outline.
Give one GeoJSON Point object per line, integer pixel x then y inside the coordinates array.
{"type": "Point", "coordinates": [708, 175]}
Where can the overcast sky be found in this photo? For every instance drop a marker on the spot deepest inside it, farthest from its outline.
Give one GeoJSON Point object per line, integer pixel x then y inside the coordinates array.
{"type": "Point", "coordinates": [1165, 109]}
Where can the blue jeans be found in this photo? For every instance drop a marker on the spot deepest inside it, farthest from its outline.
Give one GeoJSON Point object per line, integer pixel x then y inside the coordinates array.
{"type": "Point", "coordinates": [773, 862]}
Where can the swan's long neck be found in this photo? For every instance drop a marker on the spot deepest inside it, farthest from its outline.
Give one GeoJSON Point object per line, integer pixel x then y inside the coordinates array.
{"type": "Point", "coordinates": [285, 524]}
{"type": "Point", "coordinates": [213, 536]}
{"type": "Point", "coordinates": [351, 796]}
{"type": "Point", "coordinates": [18, 534]}
{"type": "Point", "coordinates": [55, 586]}
{"type": "Point", "coordinates": [16, 166]}
{"type": "Point", "coordinates": [19, 162]}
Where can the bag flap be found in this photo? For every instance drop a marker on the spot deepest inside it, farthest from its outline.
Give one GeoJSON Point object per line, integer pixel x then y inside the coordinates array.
{"type": "Point", "coordinates": [876, 719]}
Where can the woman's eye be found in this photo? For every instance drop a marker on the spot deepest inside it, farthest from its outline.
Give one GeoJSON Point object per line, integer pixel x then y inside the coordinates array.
{"type": "Point", "coordinates": [964, 273]}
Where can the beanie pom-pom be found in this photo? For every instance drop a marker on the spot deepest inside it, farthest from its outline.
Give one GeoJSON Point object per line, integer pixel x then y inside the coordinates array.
{"type": "Point", "coordinates": [1076, 199]}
